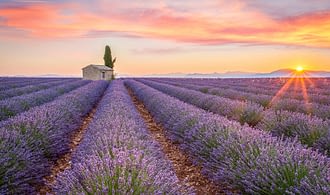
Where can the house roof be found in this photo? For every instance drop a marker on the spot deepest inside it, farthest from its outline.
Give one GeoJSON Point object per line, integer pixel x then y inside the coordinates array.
{"type": "Point", "coordinates": [99, 67]}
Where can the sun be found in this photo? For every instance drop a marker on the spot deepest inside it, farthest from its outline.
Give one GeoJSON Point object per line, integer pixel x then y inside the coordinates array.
{"type": "Point", "coordinates": [299, 69]}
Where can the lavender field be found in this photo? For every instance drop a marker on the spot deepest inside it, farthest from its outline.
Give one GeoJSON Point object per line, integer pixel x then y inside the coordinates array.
{"type": "Point", "coordinates": [165, 136]}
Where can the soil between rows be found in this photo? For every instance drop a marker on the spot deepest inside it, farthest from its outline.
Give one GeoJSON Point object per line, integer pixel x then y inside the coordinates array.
{"type": "Point", "coordinates": [64, 161]}
{"type": "Point", "coordinates": [187, 173]}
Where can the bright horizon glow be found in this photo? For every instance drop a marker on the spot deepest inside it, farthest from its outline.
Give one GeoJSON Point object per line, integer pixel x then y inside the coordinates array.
{"type": "Point", "coordinates": [299, 69]}
{"type": "Point", "coordinates": [166, 36]}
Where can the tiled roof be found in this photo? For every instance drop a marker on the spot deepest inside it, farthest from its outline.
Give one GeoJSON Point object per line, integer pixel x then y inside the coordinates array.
{"type": "Point", "coordinates": [100, 67]}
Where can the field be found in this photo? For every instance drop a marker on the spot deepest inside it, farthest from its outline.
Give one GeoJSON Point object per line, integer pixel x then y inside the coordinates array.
{"type": "Point", "coordinates": [165, 136]}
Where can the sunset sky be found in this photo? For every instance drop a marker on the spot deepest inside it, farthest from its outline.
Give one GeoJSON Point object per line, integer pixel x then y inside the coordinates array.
{"type": "Point", "coordinates": [62, 36]}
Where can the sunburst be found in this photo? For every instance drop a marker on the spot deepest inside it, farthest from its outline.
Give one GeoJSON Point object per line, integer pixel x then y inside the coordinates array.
{"type": "Point", "coordinates": [297, 79]}
{"type": "Point", "coordinates": [299, 69]}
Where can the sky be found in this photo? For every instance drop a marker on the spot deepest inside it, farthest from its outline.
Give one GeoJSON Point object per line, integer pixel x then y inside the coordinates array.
{"type": "Point", "coordinates": [39, 37]}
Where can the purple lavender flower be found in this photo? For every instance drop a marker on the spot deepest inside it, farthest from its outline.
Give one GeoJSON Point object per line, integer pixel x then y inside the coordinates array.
{"type": "Point", "coordinates": [252, 160]}
{"type": "Point", "coordinates": [244, 112]}
{"type": "Point", "coordinates": [308, 129]}
{"type": "Point", "coordinates": [117, 155]}
{"type": "Point", "coordinates": [12, 106]}
{"type": "Point", "coordinates": [30, 141]}
{"type": "Point", "coordinates": [15, 82]}
{"type": "Point", "coordinates": [32, 88]}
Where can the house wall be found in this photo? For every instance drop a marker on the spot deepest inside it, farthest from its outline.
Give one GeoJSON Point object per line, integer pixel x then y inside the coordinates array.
{"type": "Point", "coordinates": [108, 75]}
{"type": "Point", "coordinates": [91, 73]}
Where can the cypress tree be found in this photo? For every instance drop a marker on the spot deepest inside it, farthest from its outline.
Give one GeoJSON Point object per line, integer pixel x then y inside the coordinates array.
{"type": "Point", "coordinates": [108, 61]}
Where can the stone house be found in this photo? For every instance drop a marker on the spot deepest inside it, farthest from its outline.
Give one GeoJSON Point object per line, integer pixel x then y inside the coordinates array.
{"type": "Point", "coordinates": [97, 72]}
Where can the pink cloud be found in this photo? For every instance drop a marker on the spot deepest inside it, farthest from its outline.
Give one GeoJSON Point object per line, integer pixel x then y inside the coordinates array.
{"type": "Point", "coordinates": [222, 23]}
{"type": "Point", "coordinates": [157, 50]}
{"type": "Point", "coordinates": [40, 20]}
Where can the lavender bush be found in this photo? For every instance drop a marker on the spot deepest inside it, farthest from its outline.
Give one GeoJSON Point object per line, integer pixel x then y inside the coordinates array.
{"type": "Point", "coordinates": [244, 112]}
{"type": "Point", "coordinates": [268, 86]}
{"type": "Point", "coordinates": [310, 130]}
{"type": "Point", "coordinates": [253, 89]}
{"type": "Point", "coordinates": [117, 155]}
{"type": "Point", "coordinates": [286, 102]}
{"type": "Point", "coordinates": [33, 88]}
{"type": "Point", "coordinates": [18, 164]}
{"type": "Point", "coordinates": [21, 82]}
{"type": "Point", "coordinates": [12, 106]}
{"type": "Point", "coordinates": [30, 141]}
{"type": "Point", "coordinates": [252, 160]}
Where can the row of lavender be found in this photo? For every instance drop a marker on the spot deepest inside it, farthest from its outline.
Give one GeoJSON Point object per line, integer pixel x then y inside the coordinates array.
{"type": "Point", "coordinates": [31, 141]}
{"type": "Point", "coordinates": [310, 130]}
{"type": "Point", "coordinates": [287, 93]}
{"type": "Point", "coordinates": [21, 82]}
{"type": "Point", "coordinates": [32, 88]}
{"type": "Point", "coordinates": [271, 86]}
{"type": "Point", "coordinates": [262, 94]}
{"type": "Point", "coordinates": [117, 155]}
{"type": "Point", "coordinates": [297, 101]}
{"type": "Point", "coordinates": [317, 88]}
{"type": "Point", "coordinates": [314, 85]}
{"type": "Point", "coordinates": [278, 103]}
{"type": "Point", "coordinates": [21, 79]}
{"type": "Point", "coordinates": [258, 95]}
{"type": "Point", "coordinates": [15, 105]}
{"type": "Point", "coordinates": [17, 80]}
{"type": "Point", "coordinates": [253, 160]}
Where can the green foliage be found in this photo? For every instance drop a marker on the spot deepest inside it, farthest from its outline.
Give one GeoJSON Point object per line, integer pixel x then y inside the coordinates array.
{"type": "Point", "coordinates": [108, 61]}
{"type": "Point", "coordinates": [7, 112]}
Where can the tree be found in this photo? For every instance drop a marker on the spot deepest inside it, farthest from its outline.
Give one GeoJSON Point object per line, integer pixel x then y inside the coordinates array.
{"type": "Point", "coordinates": [108, 61]}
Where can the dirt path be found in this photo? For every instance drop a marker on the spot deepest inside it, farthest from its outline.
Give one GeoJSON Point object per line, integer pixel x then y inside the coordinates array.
{"type": "Point", "coordinates": [188, 174]}
{"type": "Point", "coordinates": [64, 162]}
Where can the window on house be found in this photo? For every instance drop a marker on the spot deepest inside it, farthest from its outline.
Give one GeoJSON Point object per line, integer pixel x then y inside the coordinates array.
{"type": "Point", "coordinates": [103, 75]}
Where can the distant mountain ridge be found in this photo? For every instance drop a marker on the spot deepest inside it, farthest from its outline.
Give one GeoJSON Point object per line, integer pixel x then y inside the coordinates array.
{"type": "Point", "coordinates": [239, 74]}
{"type": "Point", "coordinates": [229, 74]}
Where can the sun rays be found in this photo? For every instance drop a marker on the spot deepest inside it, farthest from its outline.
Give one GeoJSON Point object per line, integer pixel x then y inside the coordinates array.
{"type": "Point", "coordinates": [298, 82]}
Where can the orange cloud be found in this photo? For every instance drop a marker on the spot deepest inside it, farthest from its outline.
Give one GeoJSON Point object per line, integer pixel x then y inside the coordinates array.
{"type": "Point", "coordinates": [232, 24]}
{"type": "Point", "coordinates": [39, 20]}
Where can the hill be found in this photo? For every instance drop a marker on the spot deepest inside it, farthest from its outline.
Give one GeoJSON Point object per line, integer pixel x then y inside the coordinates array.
{"type": "Point", "coordinates": [238, 74]}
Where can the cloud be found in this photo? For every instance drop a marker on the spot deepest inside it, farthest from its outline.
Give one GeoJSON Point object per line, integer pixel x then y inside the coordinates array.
{"type": "Point", "coordinates": [157, 50]}
{"type": "Point", "coordinates": [107, 33]}
{"type": "Point", "coordinates": [211, 23]}
{"type": "Point", "coordinates": [37, 20]}
{"type": "Point", "coordinates": [282, 8]}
